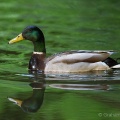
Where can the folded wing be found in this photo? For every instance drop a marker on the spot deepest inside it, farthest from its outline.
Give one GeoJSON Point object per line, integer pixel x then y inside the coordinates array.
{"type": "Point", "coordinates": [80, 56]}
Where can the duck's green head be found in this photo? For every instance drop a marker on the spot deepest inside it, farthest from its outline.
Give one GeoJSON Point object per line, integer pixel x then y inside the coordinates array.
{"type": "Point", "coordinates": [33, 34]}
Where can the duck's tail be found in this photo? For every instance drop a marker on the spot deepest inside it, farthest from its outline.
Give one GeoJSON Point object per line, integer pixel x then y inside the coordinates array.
{"type": "Point", "coordinates": [112, 63]}
{"type": "Point", "coordinates": [116, 66]}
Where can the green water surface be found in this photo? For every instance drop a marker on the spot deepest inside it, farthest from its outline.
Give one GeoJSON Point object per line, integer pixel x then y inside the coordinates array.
{"type": "Point", "coordinates": [67, 25]}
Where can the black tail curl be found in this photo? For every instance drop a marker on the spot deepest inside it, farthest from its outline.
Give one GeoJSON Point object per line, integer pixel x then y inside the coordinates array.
{"type": "Point", "coordinates": [111, 62]}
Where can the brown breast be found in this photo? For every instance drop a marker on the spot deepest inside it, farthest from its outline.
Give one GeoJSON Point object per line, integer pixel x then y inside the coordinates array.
{"type": "Point", "coordinates": [37, 62]}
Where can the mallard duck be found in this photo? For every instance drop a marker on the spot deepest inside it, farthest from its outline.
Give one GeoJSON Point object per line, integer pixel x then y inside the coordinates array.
{"type": "Point", "coordinates": [74, 61]}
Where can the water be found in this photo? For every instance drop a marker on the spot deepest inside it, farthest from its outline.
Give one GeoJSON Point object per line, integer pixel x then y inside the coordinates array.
{"type": "Point", "coordinates": [58, 96]}
{"type": "Point", "coordinates": [67, 25]}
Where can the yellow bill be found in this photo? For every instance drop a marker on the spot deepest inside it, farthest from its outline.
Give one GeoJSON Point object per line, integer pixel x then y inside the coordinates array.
{"type": "Point", "coordinates": [16, 101]}
{"type": "Point", "coordinates": [17, 39]}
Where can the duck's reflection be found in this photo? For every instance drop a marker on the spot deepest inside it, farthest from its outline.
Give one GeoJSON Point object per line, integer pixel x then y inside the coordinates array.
{"type": "Point", "coordinates": [34, 102]}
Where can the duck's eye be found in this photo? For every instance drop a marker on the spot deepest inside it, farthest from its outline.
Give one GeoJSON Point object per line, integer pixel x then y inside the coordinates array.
{"type": "Point", "coordinates": [30, 30]}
